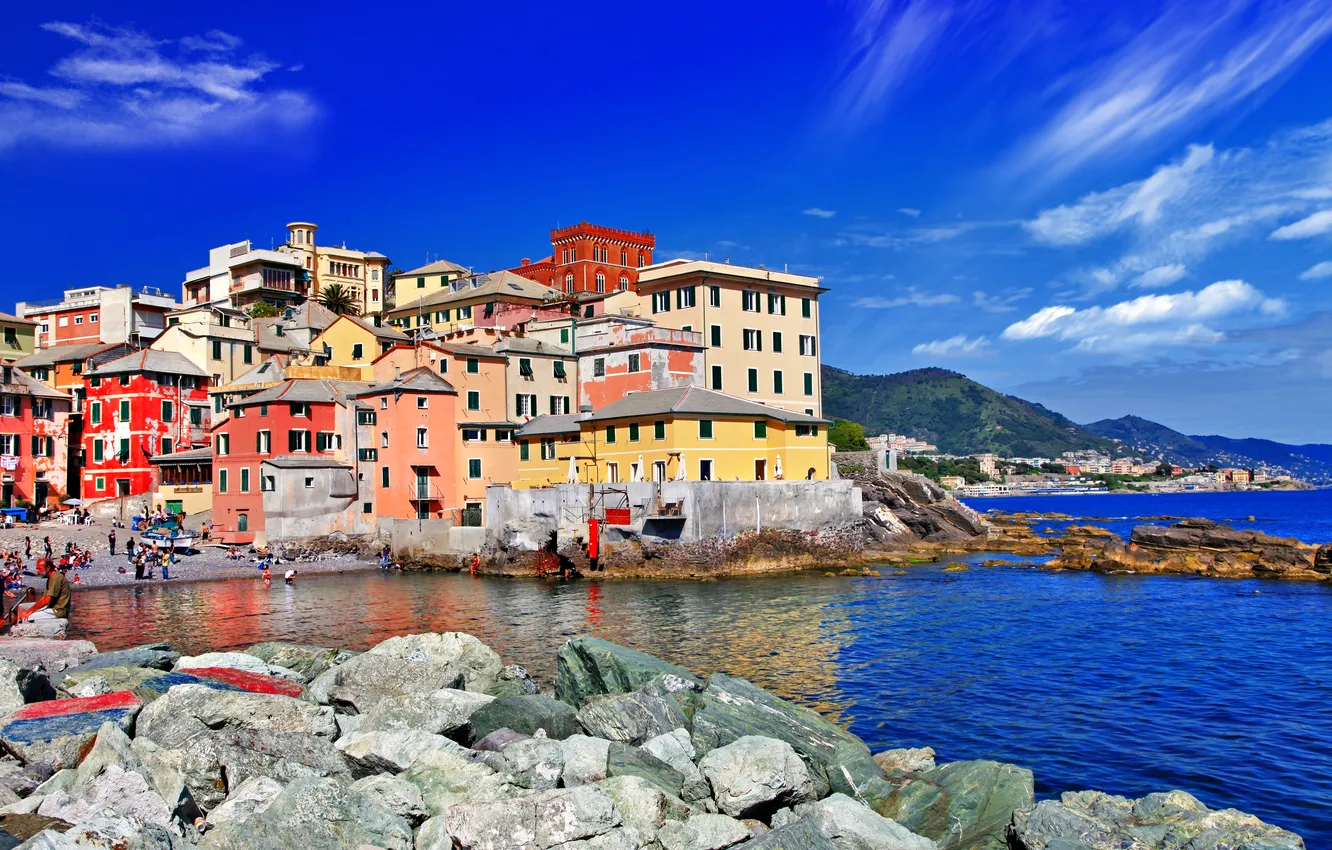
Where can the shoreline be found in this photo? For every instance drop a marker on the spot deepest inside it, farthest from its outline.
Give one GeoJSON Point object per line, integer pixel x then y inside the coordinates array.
{"type": "Point", "coordinates": [1127, 492]}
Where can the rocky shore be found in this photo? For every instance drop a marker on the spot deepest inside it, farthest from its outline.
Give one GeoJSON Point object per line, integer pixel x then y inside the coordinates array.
{"type": "Point", "coordinates": [431, 741]}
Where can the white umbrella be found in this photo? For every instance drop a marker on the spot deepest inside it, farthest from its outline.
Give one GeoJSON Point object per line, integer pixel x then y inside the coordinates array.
{"type": "Point", "coordinates": [778, 471]}
{"type": "Point", "coordinates": [73, 502]}
{"type": "Point", "coordinates": [682, 471]}
{"type": "Point", "coordinates": [638, 470]}
{"type": "Point", "coordinates": [573, 471]}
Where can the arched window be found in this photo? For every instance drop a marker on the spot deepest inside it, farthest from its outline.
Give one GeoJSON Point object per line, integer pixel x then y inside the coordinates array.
{"type": "Point", "coordinates": [601, 282]}
{"type": "Point", "coordinates": [568, 282]}
{"type": "Point", "coordinates": [624, 282]}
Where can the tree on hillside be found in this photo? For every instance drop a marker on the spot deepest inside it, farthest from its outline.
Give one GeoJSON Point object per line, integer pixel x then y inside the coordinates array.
{"type": "Point", "coordinates": [1164, 469]}
{"type": "Point", "coordinates": [848, 436]}
{"type": "Point", "coordinates": [337, 300]}
{"type": "Point", "coordinates": [263, 310]}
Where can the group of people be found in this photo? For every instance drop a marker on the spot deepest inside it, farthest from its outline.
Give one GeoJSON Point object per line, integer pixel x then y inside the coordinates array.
{"type": "Point", "coordinates": [145, 559]}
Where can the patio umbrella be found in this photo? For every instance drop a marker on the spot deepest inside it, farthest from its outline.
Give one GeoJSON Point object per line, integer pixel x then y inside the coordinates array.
{"type": "Point", "coordinates": [638, 469]}
{"type": "Point", "coordinates": [778, 471]}
{"type": "Point", "coordinates": [72, 502]}
{"type": "Point", "coordinates": [682, 471]}
{"type": "Point", "coordinates": [573, 471]}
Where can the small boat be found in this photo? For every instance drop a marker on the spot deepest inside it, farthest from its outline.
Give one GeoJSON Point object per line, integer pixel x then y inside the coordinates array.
{"type": "Point", "coordinates": [164, 534]}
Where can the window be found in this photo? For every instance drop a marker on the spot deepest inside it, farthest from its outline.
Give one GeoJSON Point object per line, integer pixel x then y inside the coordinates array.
{"type": "Point", "coordinates": [524, 453]}
{"type": "Point", "coordinates": [465, 312]}
{"type": "Point", "coordinates": [684, 297]}
{"type": "Point", "coordinates": [473, 400]}
{"type": "Point", "coordinates": [263, 442]}
{"type": "Point", "coordinates": [474, 467]}
{"type": "Point", "coordinates": [124, 380]}
{"type": "Point", "coordinates": [633, 432]}
{"type": "Point", "coordinates": [613, 473]}
{"type": "Point", "coordinates": [222, 481]}
{"type": "Point", "coordinates": [222, 445]}
{"type": "Point", "coordinates": [807, 430]}
{"type": "Point", "coordinates": [568, 282]}
{"type": "Point", "coordinates": [422, 438]}
{"type": "Point", "coordinates": [705, 470]}
{"type": "Point", "coordinates": [383, 439]}
{"type": "Point", "coordinates": [166, 445]}
{"type": "Point", "coordinates": [749, 302]}
{"type": "Point", "coordinates": [548, 448]}
{"type": "Point", "coordinates": [714, 296]}
{"type": "Point", "coordinates": [777, 381]}
{"type": "Point", "coordinates": [716, 378]}
{"type": "Point", "coordinates": [443, 365]}
{"type": "Point", "coordinates": [525, 404]}
{"type": "Point", "coordinates": [367, 455]}
{"type": "Point", "coordinates": [300, 408]}
{"type": "Point", "coordinates": [298, 441]}
{"type": "Point", "coordinates": [559, 369]}
{"type": "Point", "coordinates": [633, 362]}
{"type": "Point", "coordinates": [777, 305]}
{"type": "Point", "coordinates": [196, 415]}
{"type": "Point", "coordinates": [97, 453]}
{"type": "Point", "coordinates": [99, 483]}
{"type": "Point", "coordinates": [525, 367]}
{"type": "Point", "coordinates": [624, 257]}
{"type": "Point", "coordinates": [624, 282]}
{"type": "Point", "coordinates": [807, 345]}
{"type": "Point", "coordinates": [245, 480]}
{"type": "Point", "coordinates": [324, 441]}
{"type": "Point", "coordinates": [366, 417]}
{"type": "Point", "coordinates": [753, 380]}
{"type": "Point", "coordinates": [168, 412]}
{"type": "Point", "coordinates": [473, 366]}
{"type": "Point", "coordinates": [383, 403]}
{"type": "Point", "coordinates": [716, 336]}
{"type": "Point", "coordinates": [422, 402]}
{"type": "Point", "coordinates": [240, 413]}
{"type": "Point", "coordinates": [777, 342]}
{"type": "Point", "coordinates": [474, 435]}
{"type": "Point", "coordinates": [705, 429]}
{"type": "Point", "coordinates": [559, 405]}
{"type": "Point", "coordinates": [247, 353]}
{"type": "Point", "coordinates": [659, 429]}
{"type": "Point", "coordinates": [610, 434]}
{"type": "Point", "coordinates": [753, 340]}
{"type": "Point", "coordinates": [601, 281]}
{"type": "Point", "coordinates": [217, 349]}
{"type": "Point", "coordinates": [420, 283]}
{"type": "Point", "coordinates": [309, 482]}
{"type": "Point", "coordinates": [267, 483]}
{"type": "Point", "coordinates": [384, 477]}
{"type": "Point", "coordinates": [806, 308]}
{"type": "Point", "coordinates": [661, 302]}
{"type": "Point", "coordinates": [95, 412]}
{"type": "Point", "coordinates": [809, 383]}
{"type": "Point", "coordinates": [358, 351]}
{"type": "Point", "coordinates": [760, 430]}
{"type": "Point", "coordinates": [78, 320]}
{"type": "Point", "coordinates": [599, 367]}
{"type": "Point", "coordinates": [124, 410]}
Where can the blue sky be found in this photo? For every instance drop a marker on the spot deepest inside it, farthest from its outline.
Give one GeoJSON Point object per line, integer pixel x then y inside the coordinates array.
{"type": "Point", "coordinates": [1108, 210]}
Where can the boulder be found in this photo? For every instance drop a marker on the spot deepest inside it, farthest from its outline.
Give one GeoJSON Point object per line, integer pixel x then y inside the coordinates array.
{"type": "Point", "coordinates": [47, 629]}
{"type": "Point", "coordinates": [620, 838]}
{"type": "Point", "coordinates": [51, 655]}
{"type": "Point", "coordinates": [526, 714]}
{"type": "Point", "coordinates": [20, 780]}
{"type": "Point", "coordinates": [25, 826]}
{"type": "Point", "coordinates": [187, 711]}
{"type": "Point", "coordinates": [444, 712]}
{"type": "Point", "coordinates": [235, 661]}
{"type": "Point", "coordinates": [358, 684]}
{"type": "Point", "coordinates": [127, 792]}
{"type": "Point", "coordinates": [246, 800]}
{"type": "Point", "coordinates": [631, 718]}
{"type": "Point", "coordinates": [536, 763]}
{"type": "Point", "coordinates": [309, 661]}
{"type": "Point", "coordinates": [315, 812]}
{"type": "Point", "coordinates": [644, 807]}
{"type": "Point", "coordinates": [153, 656]}
{"type": "Point", "coordinates": [851, 825]}
{"type": "Point", "coordinates": [11, 698]}
{"type": "Point", "coordinates": [624, 760]}
{"type": "Point", "coordinates": [677, 750]}
{"type": "Point", "coordinates": [589, 667]}
{"type": "Point", "coordinates": [59, 732]}
{"type": "Point", "coordinates": [585, 760]}
{"type": "Point", "coordinates": [754, 776]}
{"type": "Point", "coordinates": [110, 829]}
{"type": "Point", "coordinates": [479, 663]}
{"type": "Point", "coordinates": [446, 778]}
{"type": "Point", "coordinates": [799, 835]}
{"type": "Point", "coordinates": [965, 804]}
{"type": "Point", "coordinates": [514, 680]}
{"type": "Point", "coordinates": [703, 832]}
{"type": "Point", "coordinates": [499, 739]}
{"type": "Point", "coordinates": [838, 761]}
{"type": "Point", "coordinates": [905, 760]}
{"type": "Point", "coordinates": [572, 814]}
{"type": "Point", "coordinates": [391, 752]}
{"type": "Point", "coordinates": [395, 794]}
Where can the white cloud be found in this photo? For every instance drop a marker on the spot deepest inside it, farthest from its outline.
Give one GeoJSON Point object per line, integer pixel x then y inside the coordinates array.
{"type": "Point", "coordinates": [953, 346]}
{"type": "Point", "coordinates": [912, 298]}
{"type": "Point", "coordinates": [818, 212]}
{"type": "Point", "coordinates": [1317, 272]}
{"type": "Point", "coordinates": [1314, 225]}
{"type": "Point", "coordinates": [125, 89]}
{"type": "Point", "coordinates": [1093, 328]}
{"type": "Point", "coordinates": [1140, 342]}
{"type": "Point", "coordinates": [1194, 61]}
{"type": "Point", "coordinates": [914, 213]}
{"type": "Point", "coordinates": [1002, 303]}
{"type": "Point", "coordinates": [888, 42]}
{"type": "Point", "coordinates": [1160, 276]}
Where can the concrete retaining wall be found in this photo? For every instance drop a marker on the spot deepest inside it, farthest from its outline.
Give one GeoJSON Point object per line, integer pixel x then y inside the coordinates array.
{"type": "Point", "coordinates": [413, 537]}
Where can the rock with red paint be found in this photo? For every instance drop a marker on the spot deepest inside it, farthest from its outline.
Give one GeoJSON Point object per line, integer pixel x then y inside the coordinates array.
{"type": "Point", "coordinates": [235, 661]}
{"type": "Point", "coordinates": [59, 732]}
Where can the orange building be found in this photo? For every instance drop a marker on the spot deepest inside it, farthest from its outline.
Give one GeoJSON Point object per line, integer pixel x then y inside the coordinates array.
{"type": "Point", "coordinates": [591, 258]}
{"type": "Point", "coordinates": [415, 434]}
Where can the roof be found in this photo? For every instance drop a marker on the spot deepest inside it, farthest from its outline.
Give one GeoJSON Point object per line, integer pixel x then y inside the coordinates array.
{"type": "Point", "coordinates": [544, 426]}
{"type": "Point", "coordinates": [222, 305]}
{"type": "Point", "coordinates": [437, 267]}
{"type": "Point", "coordinates": [382, 331]}
{"type": "Point", "coordinates": [308, 391]}
{"type": "Point", "coordinates": [305, 462]}
{"type": "Point", "coordinates": [487, 285]}
{"type": "Point", "coordinates": [671, 272]}
{"type": "Point", "coordinates": [418, 380]}
{"type": "Point", "coordinates": [15, 320]}
{"type": "Point", "coordinates": [270, 371]}
{"type": "Point", "coordinates": [269, 340]}
{"type": "Point", "coordinates": [531, 346]}
{"type": "Point", "coordinates": [695, 401]}
{"type": "Point", "coordinates": [63, 354]}
{"type": "Point", "coordinates": [214, 332]}
{"type": "Point", "coordinates": [24, 384]}
{"type": "Point", "coordinates": [191, 456]}
{"type": "Point", "coordinates": [488, 424]}
{"type": "Point", "coordinates": [469, 349]}
{"type": "Point", "coordinates": [310, 314]}
{"type": "Point", "coordinates": [150, 360]}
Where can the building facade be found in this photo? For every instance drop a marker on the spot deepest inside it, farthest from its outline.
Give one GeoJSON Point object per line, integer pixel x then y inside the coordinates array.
{"type": "Point", "coordinates": [591, 258]}
{"type": "Point", "coordinates": [102, 314]}
{"type": "Point", "coordinates": [18, 338]}
{"type": "Point", "coordinates": [34, 440]}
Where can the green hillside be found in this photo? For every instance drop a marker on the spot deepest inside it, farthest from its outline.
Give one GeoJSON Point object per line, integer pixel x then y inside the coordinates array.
{"type": "Point", "coordinates": [953, 412]}
{"type": "Point", "coordinates": [1146, 437]}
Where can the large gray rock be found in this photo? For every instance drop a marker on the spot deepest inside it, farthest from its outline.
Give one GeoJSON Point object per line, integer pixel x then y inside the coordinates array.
{"type": "Point", "coordinates": [315, 812]}
{"type": "Point", "coordinates": [153, 656]}
{"type": "Point", "coordinates": [644, 807]}
{"type": "Point", "coordinates": [624, 760]}
{"type": "Point", "coordinates": [703, 832]}
{"type": "Point", "coordinates": [358, 684]}
{"type": "Point", "coordinates": [965, 804]}
{"type": "Point", "coordinates": [676, 749]}
{"type": "Point", "coordinates": [391, 752]}
{"type": "Point", "coordinates": [187, 711]}
{"type": "Point", "coordinates": [1173, 819]}
{"type": "Point", "coordinates": [444, 712]}
{"type": "Point", "coordinates": [754, 776]}
{"type": "Point", "coordinates": [800, 835]}
{"type": "Point", "coordinates": [395, 794]}
{"type": "Point", "coordinates": [249, 798]}
{"type": "Point", "coordinates": [838, 761]}
{"type": "Point", "coordinates": [535, 763]}
{"type": "Point", "coordinates": [51, 655]}
{"type": "Point", "coordinates": [907, 760]}
{"type": "Point", "coordinates": [244, 662]}
{"type": "Point", "coordinates": [111, 830]}
{"type": "Point", "coordinates": [126, 792]}
{"type": "Point", "coordinates": [160, 768]}
{"type": "Point", "coordinates": [60, 740]}
{"type": "Point", "coordinates": [585, 760]}
{"type": "Point", "coordinates": [446, 778]}
{"type": "Point", "coordinates": [96, 681]}
{"type": "Point", "coordinates": [549, 819]}
{"type": "Point", "coordinates": [479, 663]}
{"type": "Point", "coordinates": [309, 661]}
{"type": "Point", "coordinates": [631, 718]}
{"type": "Point", "coordinates": [525, 715]}
{"type": "Point", "coordinates": [11, 698]}
{"type": "Point", "coordinates": [851, 825]}
{"type": "Point", "coordinates": [589, 667]}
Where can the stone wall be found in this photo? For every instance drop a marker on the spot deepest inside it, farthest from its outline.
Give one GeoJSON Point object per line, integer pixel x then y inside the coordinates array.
{"type": "Point", "coordinates": [411, 538]}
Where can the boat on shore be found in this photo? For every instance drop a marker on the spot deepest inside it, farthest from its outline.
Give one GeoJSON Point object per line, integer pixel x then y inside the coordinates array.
{"type": "Point", "coordinates": [165, 534]}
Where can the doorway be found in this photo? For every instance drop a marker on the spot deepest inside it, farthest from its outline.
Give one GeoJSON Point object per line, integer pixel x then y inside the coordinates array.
{"type": "Point", "coordinates": [613, 473]}
{"type": "Point", "coordinates": [761, 469]}
{"type": "Point", "coordinates": [7, 494]}
{"type": "Point", "coordinates": [705, 470]}
{"type": "Point", "coordinates": [40, 490]}
{"type": "Point", "coordinates": [659, 471]}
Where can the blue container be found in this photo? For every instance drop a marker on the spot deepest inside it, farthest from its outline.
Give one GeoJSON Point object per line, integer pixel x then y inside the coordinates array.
{"type": "Point", "coordinates": [135, 522]}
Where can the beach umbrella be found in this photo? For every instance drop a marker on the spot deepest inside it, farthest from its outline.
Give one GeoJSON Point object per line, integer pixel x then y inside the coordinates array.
{"type": "Point", "coordinates": [778, 471]}
{"type": "Point", "coordinates": [72, 502]}
{"type": "Point", "coordinates": [682, 471]}
{"type": "Point", "coordinates": [638, 469]}
{"type": "Point", "coordinates": [573, 471]}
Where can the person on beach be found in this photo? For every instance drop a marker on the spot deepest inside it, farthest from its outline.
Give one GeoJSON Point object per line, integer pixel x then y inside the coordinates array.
{"type": "Point", "coordinates": [27, 548]}
{"type": "Point", "coordinates": [54, 604]}
{"type": "Point", "coordinates": [290, 576]}
{"type": "Point", "coordinates": [46, 547]}
{"type": "Point", "coordinates": [138, 566]}
{"type": "Point", "coordinates": [476, 563]}
{"type": "Point", "coordinates": [386, 557]}
{"type": "Point", "coordinates": [111, 539]}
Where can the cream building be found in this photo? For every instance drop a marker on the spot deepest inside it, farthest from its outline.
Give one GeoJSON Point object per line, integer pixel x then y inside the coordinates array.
{"type": "Point", "coordinates": [364, 274]}
{"type": "Point", "coordinates": [216, 338]}
{"type": "Point", "coordinates": [760, 327]}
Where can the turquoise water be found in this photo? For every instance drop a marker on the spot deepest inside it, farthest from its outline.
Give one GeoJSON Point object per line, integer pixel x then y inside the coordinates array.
{"type": "Point", "coordinates": [1129, 684]}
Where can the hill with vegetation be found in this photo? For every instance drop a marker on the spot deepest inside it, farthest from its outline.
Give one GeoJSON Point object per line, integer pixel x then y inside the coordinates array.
{"type": "Point", "coordinates": [1143, 437]}
{"type": "Point", "coordinates": [954, 413]}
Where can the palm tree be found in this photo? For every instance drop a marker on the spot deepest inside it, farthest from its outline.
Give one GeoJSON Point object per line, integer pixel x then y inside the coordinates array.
{"type": "Point", "coordinates": [337, 300]}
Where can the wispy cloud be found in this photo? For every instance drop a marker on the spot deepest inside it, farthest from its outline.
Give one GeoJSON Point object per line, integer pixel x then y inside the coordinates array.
{"type": "Point", "coordinates": [954, 346]}
{"type": "Point", "coordinates": [1158, 276]}
{"type": "Point", "coordinates": [122, 88]}
{"type": "Point", "coordinates": [1314, 225]}
{"type": "Point", "coordinates": [888, 42]}
{"type": "Point", "coordinates": [912, 298]}
{"type": "Point", "coordinates": [1317, 272]}
{"type": "Point", "coordinates": [818, 212]}
{"type": "Point", "coordinates": [914, 213]}
{"type": "Point", "coordinates": [1193, 62]}
{"type": "Point", "coordinates": [1005, 302]}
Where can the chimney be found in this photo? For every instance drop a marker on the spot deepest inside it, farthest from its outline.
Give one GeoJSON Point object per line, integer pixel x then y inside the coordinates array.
{"type": "Point", "coordinates": [527, 261]}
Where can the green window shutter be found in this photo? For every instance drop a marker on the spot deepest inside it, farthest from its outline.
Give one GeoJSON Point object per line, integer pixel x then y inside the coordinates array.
{"type": "Point", "coordinates": [659, 430]}
{"type": "Point", "coordinates": [168, 412]}
{"type": "Point", "coordinates": [320, 442]}
{"type": "Point", "coordinates": [217, 349]}
{"type": "Point", "coordinates": [222, 481]}
{"type": "Point", "coordinates": [420, 283]}
{"type": "Point", "coordinates": [245, 479]}
{"type": "Point", "coordinates": [523, 451]}
{"type": "Point", "coordinates": [384, 477]}
{"type": "Point", "coordinates": [809, 383]}
{"type": "Point", "coordinates": [753, 380]}
{"type": "Point", "coordinates": [805, 308]}
{"type": "Point", "coordinates": [97, 451]}
{"type": "Point", "coordinates": [716, 336]}
{"type": "Point", "coordinates": [564, 336]}
{"type": "Point", "coordinates": [124, 410]}
{"type": "Point", "coordinates": [610, 433]}
{"type": "Point", "coordinates": [124, 450]}
{"type": "Point", "coordinates": [777, 342]}
{"type": "Point", "coordinates": [777, 382]}
{"type": "Point", "coordinates": [249, 353]}
{"type": "Point", "coordinates": [717, 378]}
{"type": "Point", "coordinates": [705, 429]}
{"type": "Point", "coordinates": [473, 400]}
{"type": "Point", "coordinates": [760, 430]}
{"type": "Point", "coordinates": [633, 432]}
{"type": "Point", "coordinates": [474, 468]}
{"type": "Point", "coordinates": [96, 412]}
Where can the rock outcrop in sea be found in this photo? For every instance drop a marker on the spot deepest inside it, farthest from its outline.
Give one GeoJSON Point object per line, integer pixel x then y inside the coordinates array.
{"type": "Point", "coordinates": [431, 742]}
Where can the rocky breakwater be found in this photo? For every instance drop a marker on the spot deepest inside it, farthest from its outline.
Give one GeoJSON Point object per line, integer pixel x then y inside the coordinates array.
{"type": "Point", "coordinates": [429, 741]}
{"type": "Point", "coordinates": [904, 510]}
{"type": "Point", "coordinates": [1196, 547]}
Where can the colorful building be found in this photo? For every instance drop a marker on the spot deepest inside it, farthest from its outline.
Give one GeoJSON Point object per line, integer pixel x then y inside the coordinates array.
{"type": "Point", "coordinates": [424, 280]}
{"type": "Point", "coordinates": [18, 337]}
{"type": "Point", "coordinates": [591, 258]}
{"type": "Point", "coordinates": [217, 339]}
{"type": "Point", "coordinates": [34, 440]}
{"type": "Point", "coordinates": [99, 314]}
{"type": "Point", "coordinates": [355, 343]}
{"type": "Point", "coordinates": [414, 434]}
{"type": "Point", "coordinates": [61, 367]}
{"type": "Point", "coordinates": [542, 378]}
{"type": "Point", "coordinates": [688, 433]}
{"type": "Point", "coordinates": [184, 481]}
{"type": "Point", "coordinates": [466, 302]}
{"type": "Point", "coordinates": [146, 404]}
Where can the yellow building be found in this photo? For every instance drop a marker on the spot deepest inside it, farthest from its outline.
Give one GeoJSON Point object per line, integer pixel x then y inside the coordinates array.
{"type": "Point", "coordinates": [685, 433]}
{"type": "Point", "coordinates": [19, 337]}
{"type": "Point", "coordinates": [184, 481]}
{"type": "Point", "coordinates": [463, 302]}
{"type": "Point", "coordinates": [361, 274]}
{"type": "Point", "coordinates": [216, 338]}
{"type": "Point", "coordinates": [424, 280]}
{"type": "Point", "coordinates": [761, 327]}
{"type": "Point", "coordinates": [354, 343]}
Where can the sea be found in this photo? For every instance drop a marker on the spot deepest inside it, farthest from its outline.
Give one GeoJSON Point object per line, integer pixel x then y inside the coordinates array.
{"type": "Point", "coordinates": [1127, 684]}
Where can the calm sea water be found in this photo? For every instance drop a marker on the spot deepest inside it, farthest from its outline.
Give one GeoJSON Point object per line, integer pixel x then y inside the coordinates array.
{"type": "Point", "coordinates": [1128, 684]}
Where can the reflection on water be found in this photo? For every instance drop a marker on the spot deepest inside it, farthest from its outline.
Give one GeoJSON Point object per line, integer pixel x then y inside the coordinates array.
{"type": "Point", "coordinates": [1128, 684]}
